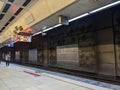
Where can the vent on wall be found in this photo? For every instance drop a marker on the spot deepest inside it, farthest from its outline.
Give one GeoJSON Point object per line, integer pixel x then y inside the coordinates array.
{"type": "Point", "coordinates": [18, 11]}
{"type": "Point", "coordinates": [7, 6]}
{"type": "Point", "coordinates": [26, 3]}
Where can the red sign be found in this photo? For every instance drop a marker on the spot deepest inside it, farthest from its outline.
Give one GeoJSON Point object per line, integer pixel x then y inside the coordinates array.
{"type": "Point", "coordinates": [22, 38]}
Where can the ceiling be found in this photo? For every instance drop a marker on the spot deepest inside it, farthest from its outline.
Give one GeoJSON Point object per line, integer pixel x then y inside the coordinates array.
{"type": "Point", "coordinates": [10, 10]}
{"type": "Point", "coordinates": [72, 11]}
{"type": "Point", "coordinates": [33, 12]}
{"type": "Point", "coordinates": [49, 11]}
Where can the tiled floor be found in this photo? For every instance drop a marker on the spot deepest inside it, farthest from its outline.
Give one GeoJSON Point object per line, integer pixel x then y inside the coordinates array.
{"type": "Point", "coordinates": [17, 77]}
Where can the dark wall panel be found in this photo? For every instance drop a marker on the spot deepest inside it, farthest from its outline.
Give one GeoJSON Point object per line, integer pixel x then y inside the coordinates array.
{"type": "Point", "coordinates": [67, 56]}
{"type": "Point", "coordinates": [24, 58]}
{"type": "Point", "coordinates": [33, 56]}
{"type": "Point", "coordinates": [17, 56]}
{"type": "Point", "coordinates": [105, 52]}
{"type": "Point", "coordinates": [87, 56]}
{"type": "Point", "coordinates": [116, 16]}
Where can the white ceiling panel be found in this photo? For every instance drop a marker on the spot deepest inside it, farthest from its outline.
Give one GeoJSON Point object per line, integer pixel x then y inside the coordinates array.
{"type": "Point", "coordinates": [10, 8]}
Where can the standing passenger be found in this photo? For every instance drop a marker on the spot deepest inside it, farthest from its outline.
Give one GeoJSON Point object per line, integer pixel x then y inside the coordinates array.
{"type": "Point", "coordinates": [7, 59]}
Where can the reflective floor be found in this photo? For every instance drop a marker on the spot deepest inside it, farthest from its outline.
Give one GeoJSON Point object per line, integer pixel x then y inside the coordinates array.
{"type": "Point", "coordinates": [17, 77]}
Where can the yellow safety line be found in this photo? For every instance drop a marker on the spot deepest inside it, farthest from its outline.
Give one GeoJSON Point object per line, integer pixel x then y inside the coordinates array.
{"type": "Point", "coordinates": [67, 82]}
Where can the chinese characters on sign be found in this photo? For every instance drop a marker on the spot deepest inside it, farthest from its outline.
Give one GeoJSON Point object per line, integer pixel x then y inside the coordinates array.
{"type": "Point", "coordinates": [22, 35]}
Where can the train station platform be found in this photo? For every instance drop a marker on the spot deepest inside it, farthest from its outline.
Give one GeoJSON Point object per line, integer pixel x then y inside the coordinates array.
{"type": "Point", "coordinates": [18, 77]}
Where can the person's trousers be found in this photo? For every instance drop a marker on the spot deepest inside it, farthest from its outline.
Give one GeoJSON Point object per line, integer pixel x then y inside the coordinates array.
{"type": "Point", "coordinates": [7, 63]}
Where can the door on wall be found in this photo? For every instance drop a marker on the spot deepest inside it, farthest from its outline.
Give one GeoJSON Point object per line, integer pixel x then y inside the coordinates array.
{"type": "Point", "coordinates": [24, 56]}
{"type": "Point", "coordinates": [105, 52]}
{"type": "Point", "coordinates": [17, 56]}
{"type": "Point", "coordinates": [52, 57]}
{"type": "Point", "coordinates": [41, 57]}
{"type": "Point", "coordinates": [67, 56]}
{"type": "Point", "coordinates": [32, 59]}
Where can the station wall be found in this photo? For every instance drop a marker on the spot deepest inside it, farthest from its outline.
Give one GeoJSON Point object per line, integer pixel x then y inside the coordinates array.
{"type": "Point", "coordinates": [91, 44]}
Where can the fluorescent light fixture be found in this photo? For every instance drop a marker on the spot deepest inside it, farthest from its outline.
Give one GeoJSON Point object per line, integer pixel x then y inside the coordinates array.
{"type": "Point", "coordinates": [52, 27]}
{"type": "Point", "coordinates": [36, 33]}
{"type": "Point", "coordinates": [1, 5]}
{"type": "Point", "coordinates": [104, 7]}
{"type": "Point", "coordinates": [57, 25]}
{"type": "Point", "coordinates": [48, 29]}
{"type": "Point", "coordinates": [81, 16]}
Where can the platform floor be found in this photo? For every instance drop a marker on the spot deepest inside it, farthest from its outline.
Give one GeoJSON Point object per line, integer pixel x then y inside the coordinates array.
{"type": "Point", "coordinates": [17, 77]}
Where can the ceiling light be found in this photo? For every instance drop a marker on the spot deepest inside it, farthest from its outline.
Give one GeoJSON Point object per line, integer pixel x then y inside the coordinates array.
{"type": "Point", "coordinates": [52, 27]}
{"type": "Point", "coordinates": [57, 25]}
{"type": "Point", "coordinates": [37, 33]}
{"type": "Point", "coordinates": [104, 7]}
{"type": "Point", "coordinates": [47, 29]}
{"type": "Point", "coordinates": [81, 16]}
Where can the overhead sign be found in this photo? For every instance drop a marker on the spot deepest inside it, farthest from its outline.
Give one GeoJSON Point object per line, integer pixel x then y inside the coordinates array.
{"type": "Point", "coordinates": [22, 35]}
{"type": "Point", "coordinates": [21, 38]}
{"type": "Point", "coordinates": [25, 32]}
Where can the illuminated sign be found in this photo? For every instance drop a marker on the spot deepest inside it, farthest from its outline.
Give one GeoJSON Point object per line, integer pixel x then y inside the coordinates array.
{"type": "Point", "coordinates": [22, 35]}
{"type": "Point", "coordinates": [21, 38]}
